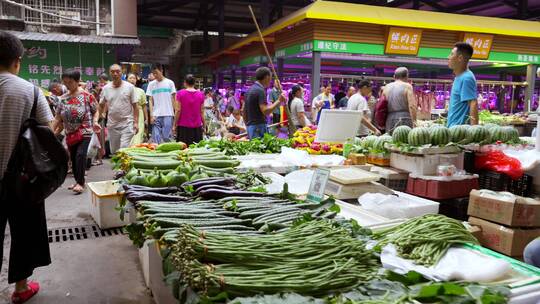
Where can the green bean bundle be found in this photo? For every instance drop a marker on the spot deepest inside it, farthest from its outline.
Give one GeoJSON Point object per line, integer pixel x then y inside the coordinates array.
{"type": "Point", "coordinates": [312, 259]}
{"type": "Point", "coordinates": [425, 239]}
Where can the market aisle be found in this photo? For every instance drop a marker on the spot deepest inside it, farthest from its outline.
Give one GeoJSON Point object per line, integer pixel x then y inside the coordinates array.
{"type": "Point", "coordinates": [100, 270]}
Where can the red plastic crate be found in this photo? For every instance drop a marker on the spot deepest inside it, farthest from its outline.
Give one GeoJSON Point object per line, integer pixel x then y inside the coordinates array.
{"type": "Point", "coordinates": [438, 190]}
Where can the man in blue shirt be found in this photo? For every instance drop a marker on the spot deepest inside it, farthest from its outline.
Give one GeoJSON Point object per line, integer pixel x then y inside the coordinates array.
{"type": "Point", "coordinates": [463, 106]}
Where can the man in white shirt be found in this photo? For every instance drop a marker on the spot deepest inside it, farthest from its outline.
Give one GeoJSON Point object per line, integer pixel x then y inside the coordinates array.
{"type": "Point", "coordinates": [123, 111]}
{"type": "Point", "coordinates": [358, 102]}
{"type": "Point", "coordinates": [163, 105]}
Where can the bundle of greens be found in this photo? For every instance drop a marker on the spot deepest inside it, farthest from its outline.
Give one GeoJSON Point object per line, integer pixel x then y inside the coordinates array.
{"type": "Point", "coordinates": [314, 258]}
{"type": "Point", "coordinates": [267, 144]}
{"type": "Point", "coordinates": [425, 239]}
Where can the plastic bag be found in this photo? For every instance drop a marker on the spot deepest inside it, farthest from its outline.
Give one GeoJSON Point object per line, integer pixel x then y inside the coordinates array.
{"type": "Point", "coordinates": [499, 162]}
{"type": "Point", "coordinates": [93, 147]}
{"type": "Point", "coordinates": [457, 264]}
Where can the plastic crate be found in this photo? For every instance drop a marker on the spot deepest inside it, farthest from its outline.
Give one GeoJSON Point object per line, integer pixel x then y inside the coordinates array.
{"type": "Point", "coordinates": [395, 184]}
{"type": "Point", "coordinates": [438, 189]}
{"type": "Point", "coordinates": [455, 208]}
{"type": "Point", "coordinates": [501, 182]}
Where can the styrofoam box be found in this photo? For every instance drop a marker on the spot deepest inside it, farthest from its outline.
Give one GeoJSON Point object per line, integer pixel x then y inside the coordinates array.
{"type": "Point", "coordinates": [144, 259]}
{"type": "Point", "coordinates": [104, 199]}
{"type": "Point", "coordinates": [424, 165]}
{"type": "Point", "coordinates": [162, 293]}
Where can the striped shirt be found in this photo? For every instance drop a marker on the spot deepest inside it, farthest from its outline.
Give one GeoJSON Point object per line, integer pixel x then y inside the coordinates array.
{"type": "Point", "coordinates": [16, 100]}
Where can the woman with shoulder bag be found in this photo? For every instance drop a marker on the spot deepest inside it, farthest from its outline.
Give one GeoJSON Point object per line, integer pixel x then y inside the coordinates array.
{"type": "Point", "coordinates": [77, 114]}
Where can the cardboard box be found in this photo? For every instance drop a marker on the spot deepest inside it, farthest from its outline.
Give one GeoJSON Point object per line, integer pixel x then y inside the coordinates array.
{"type": "Point", "coordinates": [521, 212]}
{"type": "Point", "coordinates": [509, 241]}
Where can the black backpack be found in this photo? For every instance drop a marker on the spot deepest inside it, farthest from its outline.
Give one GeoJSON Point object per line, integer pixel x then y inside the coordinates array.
{"type": "Point", "coordinates": [39, 163]}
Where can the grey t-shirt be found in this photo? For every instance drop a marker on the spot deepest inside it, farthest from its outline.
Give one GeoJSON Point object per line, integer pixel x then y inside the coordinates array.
{"type": "Point", "coordinates": [16, 100]}
{"type": "Point", "coordinates": [120, 102]}
{"type": "Point", "coordinates": [297, 106]}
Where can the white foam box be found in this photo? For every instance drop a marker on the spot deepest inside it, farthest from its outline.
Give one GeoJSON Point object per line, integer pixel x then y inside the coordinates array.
{"type": "Point", "coordinates": [162, 293]}
{"type": "Point", "coordinates": [144, 260]}
{"type": "Point", "coordinates": [425, 164]}
{"type": "Point", "coordinates": [353, 191]}
{"type": "Point", "coordinates": [104, 198]}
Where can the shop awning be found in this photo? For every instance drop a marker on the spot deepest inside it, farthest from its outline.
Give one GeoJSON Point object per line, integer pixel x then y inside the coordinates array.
{"type": "Point", "coordinates": [350, 12]}
{"type": "Point", "coordinates": [61, 37]}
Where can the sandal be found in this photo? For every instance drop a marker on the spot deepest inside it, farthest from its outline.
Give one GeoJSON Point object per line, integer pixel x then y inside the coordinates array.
{"type": "Point", "coordinates": [78, 189]}
{"type": "Point", "coordinates": [97, 163]}
{"type": "Point", "coordinates": [72, 186]}
{"type": "Point", "coordinates": [23, 296]}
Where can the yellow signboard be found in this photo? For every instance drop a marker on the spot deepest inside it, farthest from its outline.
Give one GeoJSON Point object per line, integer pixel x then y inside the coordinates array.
{"type": "Point", "coordinates": [481, 44]}
{"type": "Point", "coordinates": [403, 41]}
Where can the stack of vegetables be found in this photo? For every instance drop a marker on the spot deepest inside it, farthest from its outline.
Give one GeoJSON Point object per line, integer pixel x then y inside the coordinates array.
{"type": "Point", "coordinates": [439, 136]}
{"type": "Point", "coordinates": [314, 258]}
{"type": "Point", "coordinates": [267, 144]}
{"type": "Point", "coordinates": [172, 168]}
{"type": "Point", "coordinates": [304, 139]}
{"type": "Point", "coordinates": [425, 239]}
{"type": "Point", "coordinates": [217, 203]}
{"type": "Point", "coordinates": [486, 117]}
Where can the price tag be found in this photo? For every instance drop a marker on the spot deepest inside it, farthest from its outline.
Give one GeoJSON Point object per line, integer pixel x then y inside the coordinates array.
{"type": "Point", "coordinates": [318, 184]}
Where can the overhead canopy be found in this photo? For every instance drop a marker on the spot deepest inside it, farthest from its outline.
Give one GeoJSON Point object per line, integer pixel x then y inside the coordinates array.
{"type": "Point", "coordinates": [61, 37]}
{"type": "Point", "coordinates": [348, 12]}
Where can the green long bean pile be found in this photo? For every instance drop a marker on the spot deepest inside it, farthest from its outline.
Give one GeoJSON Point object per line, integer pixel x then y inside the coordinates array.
{"type": "Point", "coordinates": [314, 258]}
{"type": "Point", "coordinates": [425, 239]}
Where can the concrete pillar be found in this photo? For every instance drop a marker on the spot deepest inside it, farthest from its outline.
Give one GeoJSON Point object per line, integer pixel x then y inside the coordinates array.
{"type": "Point", "coordinates": [243, 75]}
{"type": "Point", "coordinates": [529, 91]}
{"type": "Point", "coordinates": [265, 14]}
{"type": "Point", "coordinates": [220, 80]}
{"type": "Point", "coordinates": [233, 78]}
{"type": "Point", "coordinates": [221, 23]}
{"type": "Point", "coordinates": [279, 67]}
{"type": "Point", "coordinates": [315, 73]}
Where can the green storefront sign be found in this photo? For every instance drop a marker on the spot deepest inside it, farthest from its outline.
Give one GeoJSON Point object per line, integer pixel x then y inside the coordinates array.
{"type": "Point", "coordinates": [378, 49]}
{"type": "Point", "coordinates": [43, 61]}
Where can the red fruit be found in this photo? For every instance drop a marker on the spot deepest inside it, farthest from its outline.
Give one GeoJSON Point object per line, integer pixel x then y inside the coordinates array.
{"type": "Point", "coordinates": [313, 127]}
{"type": "Point", "coordinates": [303, 146]}
{"type": "Point", "coordinates": [326, 148]}
{"type": "Point", "coordinates": [339, 145]}
{"type": "Point", "coordinates": [316, 147]}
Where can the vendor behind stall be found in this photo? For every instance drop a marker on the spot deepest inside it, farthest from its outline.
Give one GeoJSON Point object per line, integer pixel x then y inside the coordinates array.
{"type": "Point", "coordinates": [463, 107]}
{"type": "Point", "coordinates": [256, 107]}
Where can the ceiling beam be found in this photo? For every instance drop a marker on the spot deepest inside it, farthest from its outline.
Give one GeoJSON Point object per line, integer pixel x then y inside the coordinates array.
{"type": "Point", "coordinates": [522, 8]}
{"type": "Point", "coordinates": [190, 16]}
{"type": "Point", "coordinates": [188, 26]}
{"type": "Point", "coordinates": [467, 5]}
{"type": "Point", "coordinates": [434, 5]}
{"type": "Point", "coordinates": [157, 4]}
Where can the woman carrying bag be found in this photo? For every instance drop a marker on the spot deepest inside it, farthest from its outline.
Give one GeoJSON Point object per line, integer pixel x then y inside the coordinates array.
{"type": "Point", "coordinates": [77, 114]}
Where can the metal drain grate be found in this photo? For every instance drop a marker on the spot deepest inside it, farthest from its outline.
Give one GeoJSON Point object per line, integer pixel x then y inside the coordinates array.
{"type": "Point", "coordinates": [77, 233]}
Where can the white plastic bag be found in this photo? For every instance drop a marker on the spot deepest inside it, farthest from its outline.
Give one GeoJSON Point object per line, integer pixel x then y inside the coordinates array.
{"type": "Point", "coordinates": [457, 264]}
{"type": "Point", "coordinates": [93, 147]}
{"type": "Point", "coordinates": [294, 157]}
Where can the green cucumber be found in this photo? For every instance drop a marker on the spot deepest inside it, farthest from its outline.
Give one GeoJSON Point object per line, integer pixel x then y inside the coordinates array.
{"type": "Point", "coordinates": [218, 163]}
{"type": "Point", "coordinates": [160, 165]}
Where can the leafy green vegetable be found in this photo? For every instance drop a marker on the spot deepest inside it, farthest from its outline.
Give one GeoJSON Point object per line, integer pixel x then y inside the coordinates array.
{"type": "Point", "coordinates": [268, 144]}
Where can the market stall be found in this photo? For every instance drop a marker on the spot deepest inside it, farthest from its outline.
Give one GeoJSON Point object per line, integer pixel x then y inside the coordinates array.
{"type": "Point", "coordinates": [323, 39]}
{"type": "Point", "coordinates": [203, 222]}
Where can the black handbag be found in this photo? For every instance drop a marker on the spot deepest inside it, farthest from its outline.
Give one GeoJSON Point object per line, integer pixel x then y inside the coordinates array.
{"type": "Point", "coordinates": [39, 163]}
